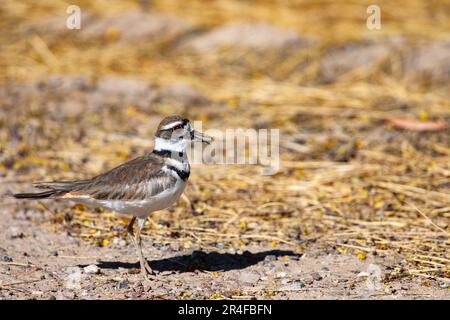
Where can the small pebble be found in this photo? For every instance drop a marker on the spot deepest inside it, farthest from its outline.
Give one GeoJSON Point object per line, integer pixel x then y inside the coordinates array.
{"type": "Point", "coordinates": [119, 242]}
{"type": "Point", "coordinates": [249, 277]}
{"type": "Point", "coordinates": [160, 291]}
{"type": "Point", "coordinates": [124, 284]}
{"type": "Point", "coordinates": [6, 259]}
{"type": "Point", "coordinates": [16, 233]}
{"type": "Point", "coordinates": [316, 276]}
{"type": "Point", "coordinates": [281, 274]}
{"type": "Point", "coordinates": [270, 258]}
{"type": "Point", "coordinates": [91, 269]}
{"type": "Point", "coordinates": [90, 287]}
{"type": "Point", "coordinates": [269, 265]}
{"type": "Point", "coordinates": [297, 285]}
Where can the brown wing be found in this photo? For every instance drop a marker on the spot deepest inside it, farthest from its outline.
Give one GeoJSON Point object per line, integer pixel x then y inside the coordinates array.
{"type": "Point", "coordinates": [136, 179]}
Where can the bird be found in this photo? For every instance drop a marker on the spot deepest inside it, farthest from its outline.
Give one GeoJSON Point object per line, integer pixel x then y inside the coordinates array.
{"type": "Point", "coordinates": [139, 186]}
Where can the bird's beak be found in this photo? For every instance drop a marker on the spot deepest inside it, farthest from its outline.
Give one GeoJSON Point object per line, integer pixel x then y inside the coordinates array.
{"type": "Point", "coordinates": [198, 136]}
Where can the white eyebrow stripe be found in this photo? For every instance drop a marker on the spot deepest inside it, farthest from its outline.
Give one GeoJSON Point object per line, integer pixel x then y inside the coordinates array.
{"type": "Point", "coordinates": [171, 125]}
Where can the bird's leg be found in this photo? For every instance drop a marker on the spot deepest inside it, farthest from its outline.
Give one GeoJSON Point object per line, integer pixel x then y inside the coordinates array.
{"type": "Point", "coordinates": [136, 239]}
{"type": "Point", "coordinates": [145, 267]}
{"type": "Point", "coordinates": [185, 198]}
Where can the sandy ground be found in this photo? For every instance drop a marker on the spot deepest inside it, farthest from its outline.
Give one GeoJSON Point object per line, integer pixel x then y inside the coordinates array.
{"type": "Point", "coordinates": [36, 263]}
{"type": "Point", "coordinates": [361, 196]}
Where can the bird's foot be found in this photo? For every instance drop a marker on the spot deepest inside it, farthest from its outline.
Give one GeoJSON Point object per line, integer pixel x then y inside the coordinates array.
{"type": "Point", "coordinates": [147, 272]}
{"type": "Point", "coordinates": [147, 268]}
{"type": "Point", "coordinates": [147, 277]}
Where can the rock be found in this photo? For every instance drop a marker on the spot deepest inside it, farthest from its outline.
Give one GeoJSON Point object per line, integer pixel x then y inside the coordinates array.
{"type": "Point", "coordinates": [269, 265]}
{"type": "Point", "coordinates": [281, 275]}
{"type": "Point", "coordinates": [316, 276]}
{"type": "Point", "coordinates": [74, 278]}
{"type": "Point", "coordinates": [175, 246]}
{"type": "Point", "coordinates": [249, 277]}
{"type": "Point", "coordinates": [247, 35]}
{"type": "Point", "coordinates": [16, 233]}
{"type": "Point", "coordinates": [220, 245]}
{"type": "Point", "coordinates": [297, 285]}
{"type": "Point", "coordinates": [160, 291]}
{"type": "Point", "coordinates": [119, 242]}
{"type": "Point", "coordinates": [91, 269]}
{"type": "Point", "coordinates": [123, 284]}
{"type": "Point", "coordinates": [90, 287]}
{"type": "Point", "coordinates": [6, 259]}
{"type": "Point", "coordinates": [270, 258]}
{"type": "Point", "coordinates": [136, 25]}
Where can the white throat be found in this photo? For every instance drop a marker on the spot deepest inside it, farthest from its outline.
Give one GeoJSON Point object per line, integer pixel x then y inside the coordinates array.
{"type": "Point", "coordinates": [169, 145]}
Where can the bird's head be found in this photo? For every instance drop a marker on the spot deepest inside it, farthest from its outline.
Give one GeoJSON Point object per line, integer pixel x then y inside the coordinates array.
{"type": "Point", "coordinates": [175, 133]}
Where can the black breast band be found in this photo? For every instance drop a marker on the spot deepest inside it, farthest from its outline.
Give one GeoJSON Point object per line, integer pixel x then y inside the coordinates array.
{"type": "Point", "coordinates": [182, 174]}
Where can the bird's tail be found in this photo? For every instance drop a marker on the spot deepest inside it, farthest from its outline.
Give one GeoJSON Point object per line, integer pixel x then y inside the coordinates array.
{"type": "Point", "coordinates": [36, 195]}
{"type": "Point", "coordinates": [56, 189]}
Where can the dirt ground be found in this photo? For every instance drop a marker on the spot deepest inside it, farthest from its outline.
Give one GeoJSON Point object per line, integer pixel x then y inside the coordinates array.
{"type": "Point", "coordinates": [359, 207]}
{"type": "Point", "coordinates": [39, 264]}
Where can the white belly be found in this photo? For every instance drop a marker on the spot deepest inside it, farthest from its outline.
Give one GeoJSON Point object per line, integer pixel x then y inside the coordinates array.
{"type": "Point", "coordinates": [139, 208]}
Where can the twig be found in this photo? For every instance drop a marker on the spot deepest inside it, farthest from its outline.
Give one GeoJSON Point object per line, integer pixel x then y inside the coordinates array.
{"type": "Point", "coordinates": [427, 218]}
{"type": "Point", "coordinates": [20, 282]}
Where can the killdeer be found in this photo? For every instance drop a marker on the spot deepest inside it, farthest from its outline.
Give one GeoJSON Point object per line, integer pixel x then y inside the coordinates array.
{"type": "Point", "coordinates": [138, 187]}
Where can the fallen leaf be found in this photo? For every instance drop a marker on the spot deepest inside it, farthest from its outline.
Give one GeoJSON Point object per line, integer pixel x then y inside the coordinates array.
{"type": "Point", "coordinates": [418, 125]}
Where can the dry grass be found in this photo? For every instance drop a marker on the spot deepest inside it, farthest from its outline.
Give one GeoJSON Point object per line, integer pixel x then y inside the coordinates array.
{"type": "Point", "coordinates": [349, 180]}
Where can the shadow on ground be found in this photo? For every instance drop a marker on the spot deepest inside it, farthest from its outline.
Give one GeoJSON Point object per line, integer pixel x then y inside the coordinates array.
{"type": "Point", "coordinates": [199, 260]}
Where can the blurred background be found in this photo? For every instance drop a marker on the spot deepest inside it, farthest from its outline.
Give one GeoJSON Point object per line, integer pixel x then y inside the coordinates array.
{"type": "Point", "coordinates": [363, 116]}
